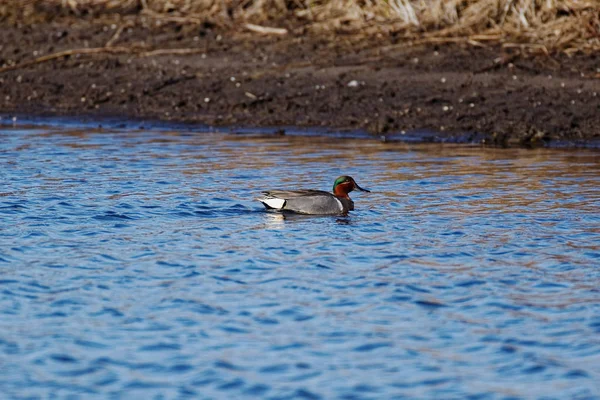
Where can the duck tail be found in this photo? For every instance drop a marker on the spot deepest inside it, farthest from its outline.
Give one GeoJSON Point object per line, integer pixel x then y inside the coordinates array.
{"type": "Point", "coordinates": [272, 202]}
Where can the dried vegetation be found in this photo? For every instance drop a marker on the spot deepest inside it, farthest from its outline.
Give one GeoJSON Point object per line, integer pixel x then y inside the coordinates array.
{"type": "Point", "coordinates": [536, 25]}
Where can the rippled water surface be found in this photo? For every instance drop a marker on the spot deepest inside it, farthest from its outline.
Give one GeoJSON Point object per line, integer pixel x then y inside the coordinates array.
{"type": "Point", "coordinates": [137, 265]}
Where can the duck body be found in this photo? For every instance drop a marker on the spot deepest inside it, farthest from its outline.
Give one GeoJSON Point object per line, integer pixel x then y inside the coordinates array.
{"type": "Point", "coordinates": [314, 202]}
{"type": "Point", "coordinates": [306, 201]}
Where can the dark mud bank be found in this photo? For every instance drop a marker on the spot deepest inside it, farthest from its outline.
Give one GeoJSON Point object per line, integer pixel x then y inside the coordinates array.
{"type": "Point", "coordinates": [445, 94]}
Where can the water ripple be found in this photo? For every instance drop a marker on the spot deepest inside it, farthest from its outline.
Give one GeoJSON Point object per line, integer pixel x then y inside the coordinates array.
{"type": "Point", "coordinates": [138, 265]}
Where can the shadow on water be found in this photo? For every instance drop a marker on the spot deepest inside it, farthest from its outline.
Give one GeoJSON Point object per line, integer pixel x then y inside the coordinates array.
{"type": "Point", "coordinates": [139, 265]}
{"type": "Point", "coordinates": [283, 216]}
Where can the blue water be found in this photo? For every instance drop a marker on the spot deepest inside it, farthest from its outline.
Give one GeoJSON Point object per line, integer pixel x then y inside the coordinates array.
{"type": "Point", "coordinates": [137, 265]}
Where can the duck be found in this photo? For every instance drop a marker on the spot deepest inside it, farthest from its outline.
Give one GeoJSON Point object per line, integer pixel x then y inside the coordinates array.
{"type": "Point", "coordinates": [314, 202]}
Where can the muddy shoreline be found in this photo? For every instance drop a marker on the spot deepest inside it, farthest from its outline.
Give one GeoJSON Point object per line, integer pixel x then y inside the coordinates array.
{"type": "Point", "coordinates": [380, 85]}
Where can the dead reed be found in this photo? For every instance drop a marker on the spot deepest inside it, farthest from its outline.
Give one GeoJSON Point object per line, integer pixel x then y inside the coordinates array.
{"type": "Point", "coordinates": [537, 25]}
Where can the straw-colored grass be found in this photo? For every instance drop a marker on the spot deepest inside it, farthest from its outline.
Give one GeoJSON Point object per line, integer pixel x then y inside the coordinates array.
{"type": "Point", "coordinates": [542, 25]}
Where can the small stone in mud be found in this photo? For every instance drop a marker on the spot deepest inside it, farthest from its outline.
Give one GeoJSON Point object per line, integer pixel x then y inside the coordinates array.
{"type": "Point", "coordinates": [353, 83]}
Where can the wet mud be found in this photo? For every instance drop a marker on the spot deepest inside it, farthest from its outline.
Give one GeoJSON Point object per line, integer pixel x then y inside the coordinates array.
{"type": "Point", "coordinates": [381, 85]}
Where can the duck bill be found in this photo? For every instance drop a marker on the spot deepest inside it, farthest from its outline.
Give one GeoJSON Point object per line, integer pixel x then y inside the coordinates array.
{"type": "Point", "coordinates": [362, 189]}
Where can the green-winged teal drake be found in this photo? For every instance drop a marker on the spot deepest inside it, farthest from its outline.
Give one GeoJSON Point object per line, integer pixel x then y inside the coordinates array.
{"type": "Point", "coordinates": [317, 202]}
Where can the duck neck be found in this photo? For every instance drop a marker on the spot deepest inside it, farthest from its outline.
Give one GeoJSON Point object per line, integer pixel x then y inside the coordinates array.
{"type": "Point", "coordinates": [343, 189]}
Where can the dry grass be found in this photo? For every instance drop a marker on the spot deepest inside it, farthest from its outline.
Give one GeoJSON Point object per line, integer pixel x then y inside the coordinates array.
{"type": "Point", "coordinates": [539, 25]}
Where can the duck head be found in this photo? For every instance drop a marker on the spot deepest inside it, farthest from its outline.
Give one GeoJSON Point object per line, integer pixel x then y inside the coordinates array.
{"type": "Point", "coordinates": [344, 185]}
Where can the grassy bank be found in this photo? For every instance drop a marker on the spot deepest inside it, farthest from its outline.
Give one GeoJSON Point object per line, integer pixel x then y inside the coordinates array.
{"type": "Point", "coordinates": [543, 26]}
